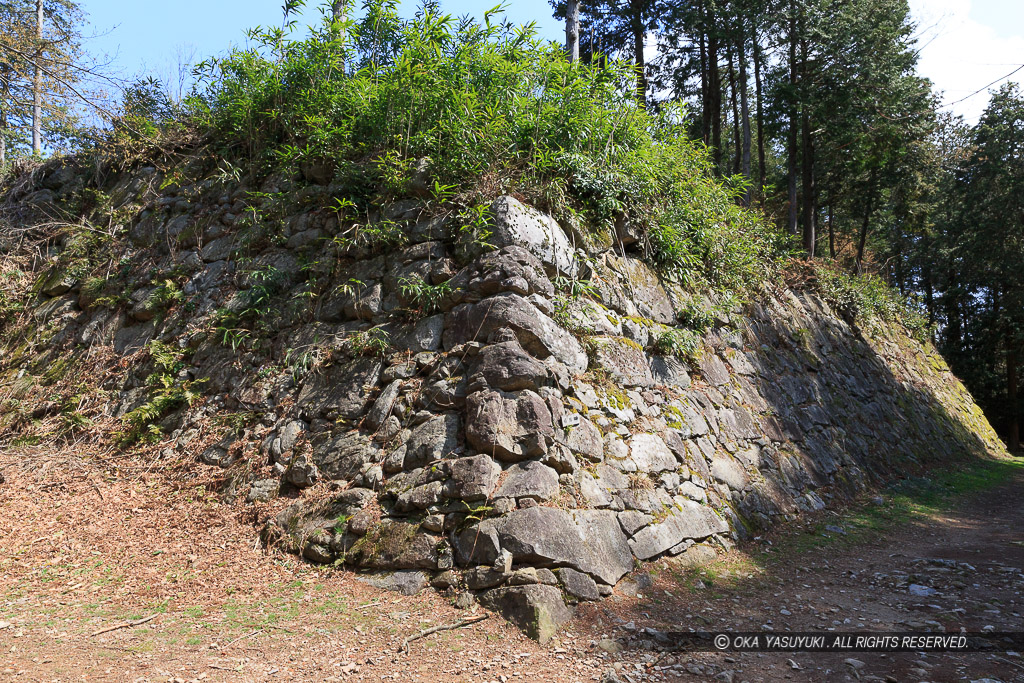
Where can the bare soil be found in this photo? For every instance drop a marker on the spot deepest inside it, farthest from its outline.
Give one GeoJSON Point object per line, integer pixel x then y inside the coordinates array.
{"type": "Point", "coordinates": [88, 543]}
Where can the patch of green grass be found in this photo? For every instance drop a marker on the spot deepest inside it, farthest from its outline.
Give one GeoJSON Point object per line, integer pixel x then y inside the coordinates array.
{"type": "Point", "coordinates": [912, 498]}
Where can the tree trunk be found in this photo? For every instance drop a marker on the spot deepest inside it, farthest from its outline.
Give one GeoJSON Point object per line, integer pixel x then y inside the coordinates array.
{"type": "Point", "coordinates": [339, 10]}
{"type": "Point", "coordinates": [831, 233]}
{"type": "Point", "coordinates": [745, 115]}
{"type": "Point", "coordinates": [4, 87]}
{"type": "Point", "coordinates": [714, 91]}
{"type": "Point", "coordinates": [807, 167]}
{"type": "Point", "coordinates": [792, 146]}
{"type": "Point", "coordinates": [572, 30]}
{"type": "Point", "coordinates": [637, 22]}
{"type": "Point", "coordinates": [760, 113]}
{"type": "Point", "coordinates": [1013, 428]}
{"type": "Point", "coordinates": [862, 242]}
{"type": "Point", "coordinates": [37, 85]}
{"type": "Point", "coordinates": [735, 113]}
{"type": "Point", "coordinates": [705, 102]}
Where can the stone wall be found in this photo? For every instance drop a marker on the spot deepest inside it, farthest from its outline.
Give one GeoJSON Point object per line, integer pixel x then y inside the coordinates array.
{"type": "Point", "coordinates": [505, 441]}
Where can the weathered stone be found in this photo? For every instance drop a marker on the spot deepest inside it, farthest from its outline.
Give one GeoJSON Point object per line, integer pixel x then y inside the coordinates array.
{"type": "Point", "coordinates": [58, 281]}
{"type": "Point", "coordinates": [286, 438]}
{"type": "Point", "coordinates": [420, 497]}
{"type": "Point", "coordinates": [585, 439]}
{"type": "Point", "coordinates": [529, 480]}
{"type": "Point", "coordinates": [740, 363]}
{"type": "Point", "coordinates": [518, 224]}
{"type": "Point", "coordinates": [302, 472]}
{"type": "Point", "coordinates": [507, 367]}
{"type": "Point", "coordinates": [219, 249]}
{"type": "Point", "coordinates": [647, 453]}
{"type": "Point", "coordinates": [608, 556]}
{"type": "Point", "coordinates": [695, 556]}
{"type": "Point", "coordinates": [435, 439]}
{"type": "Point", "coordinates": [713, 370]}
{"type": "Point", "coordinates": [425, 335]}
{"type": "Point", "coordinates": [342, 389]}
{"type": "Point", "coordinates": [382, 406]}
{"type": "Point", "coordinates": [477, 543]}
{"type": "Point", "coordinates": [360, 523]}
{"type": "Point", "coordinates": [542, 536]}
{"type": "Point", "coordinates": [363, 302]}
{"type": "Point", "coordinates": [262, 490]}
{"type": "Point", "coordinates": [591, 317]}
{"type": "Point", "coordinates": [592, 492]}
{"type": "Point", "coordinates": [578, 584]}
{"type": "Point", "coordinates": [511, 427]}
{"type": "Point", "coordinates": [395, 545]}
{"type": "Point", "coordinates": [404, 582]}
{"type": "Point", "coordinates": [537, 609]}
{"type": "Point", "coordinates": [624, 360]}
{"type": "Point", "coordinates": [738, 423]}
{"type": "Point", "coordinates": [670, 371]}
{"type": "Point", "coordinates": [691, 520]}
{"type": "Point", "coordinates": [633, 521]}
{"type": "Point", "coordinates": [547, 577]}
{"type": "Point", "coordinates": [692, 491]}
{"type": "Point", "coordinates": [631, 287]}
{"type": "Point", "coordinates": [474, 478]}
{"type": "Point", "coordinates": [220, 454]}
{"type": "Point", "coordinates": [729, 472]}
{"type": "Point", "coordinates": [523, 576]}
{"type": "Point", "coordinates": [342, 456]}
{"type": "Point", "coordinates": [479, 578]}
{"type": "Point", "coordinates": [561, 460]}
{"type": "Point", "coordinates": [611, 479]}
{"type": "Point", "coordinates": [536, 332]}
{"type": "Point", "coordinates": [512, 269]}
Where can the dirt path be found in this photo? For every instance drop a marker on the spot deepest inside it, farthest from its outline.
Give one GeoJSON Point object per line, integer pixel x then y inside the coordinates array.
{"type": "Point", "coordinates": [81, 552]}
{"type": "Point", "coordinates": [969, 559]}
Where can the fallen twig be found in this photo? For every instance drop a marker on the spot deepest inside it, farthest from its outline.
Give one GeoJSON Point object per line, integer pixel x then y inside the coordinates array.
{"type": "Point", "coordinates": [127, 624]}
{"type": "Point", "coordinates": [247, 635]}
{"type": "Point", "coordinates": [445, 627]}
{"type": "Point", "coordinates": [369, 605]}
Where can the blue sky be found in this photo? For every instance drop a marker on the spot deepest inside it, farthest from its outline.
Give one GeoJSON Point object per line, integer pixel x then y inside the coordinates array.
{"type": "Point", "coordinates": [966, 44]}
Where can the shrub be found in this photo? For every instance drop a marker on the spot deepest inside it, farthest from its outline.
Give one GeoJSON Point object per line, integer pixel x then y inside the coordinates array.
{"type": "Point", "coordinates": [867, 299]}
{"type": "Point", "coordinates": [496, 110]}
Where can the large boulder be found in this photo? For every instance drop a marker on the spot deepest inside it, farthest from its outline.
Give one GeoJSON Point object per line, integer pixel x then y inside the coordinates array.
{"type": "Point", "coordinates": [435, 439]}
{"type": "Point", "coordinates": [647, 453]}
{"type": "Point", "coordinates": [506, 366]}
{"type": "Point", "coordinates": [342, 455]}
{"type": "Point", "coordinates": [512, 269]}
{"type": "Point", "coordinates": [395, 545]}
{"type": "Point", "coordinates": [341, 390]}
{"type": "Point", "coordinates": [510, 427]}
{"type": "Point", "coordinates": [518, 224]}
{"type": "Point", "coordinates": [529, 480]}
{"type": "Point", "coordinates": [591, 542]}
{"type": "Point", "coordinates": [473, 478]}
{"type": "Point", "coordinates": [727, 471]}
{"type": "Point", "coordinates": [631, 287]}
{"type": "Point", "coordinates": [584, 438]}
{"type": "Point", "coordinates": [537, 333]}
{"type": "Point", "coordinates": [689, 520]}
{"type": "Point", "coordinates": [537, 609]}
{"type": "Point", "coordinates": [608, 556]}
{"type": "Point", "coordinates": [624, 360]}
